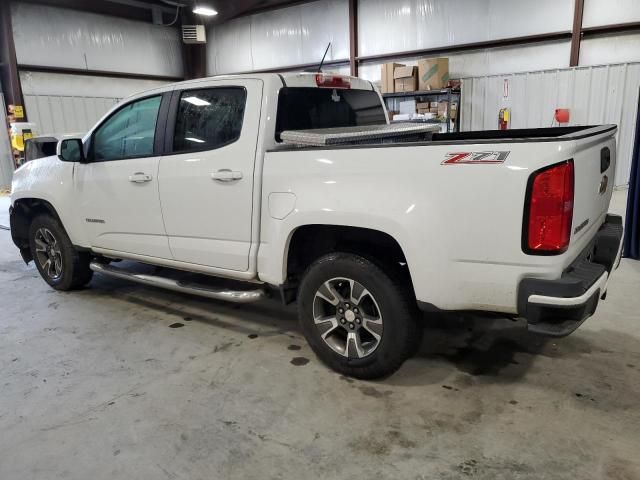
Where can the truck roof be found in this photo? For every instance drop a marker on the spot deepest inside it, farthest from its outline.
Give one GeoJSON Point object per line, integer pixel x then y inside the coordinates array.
{"type": "Point", "coordinates": [291, 79]}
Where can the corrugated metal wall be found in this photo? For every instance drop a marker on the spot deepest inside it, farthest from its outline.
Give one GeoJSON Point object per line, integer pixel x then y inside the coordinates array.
{"type": "Point", "coordinates": [58, 114]}
{"type": "Point", "coordinates": [594, 95]}
{"type": "Point", "coordinates": [61, 103]}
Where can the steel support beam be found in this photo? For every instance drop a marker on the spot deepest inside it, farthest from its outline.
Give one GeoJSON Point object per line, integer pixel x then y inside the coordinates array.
{"type": "Point", "coordinates": [353, 37]}
{"type": "Point", "coordinates": [97, 73]}
{"type": "Point", "coordinates": [611, 29]}
{"type": "Point", "coordinates": [576, 33]}
{"type": "Point", "coordinates": [8, 63]}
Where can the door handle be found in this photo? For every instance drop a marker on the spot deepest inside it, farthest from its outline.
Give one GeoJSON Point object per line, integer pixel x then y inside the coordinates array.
{"type": "Point", "coordinates": [226, 175]}
{"type": "Point", "coordinates": [139, 177]}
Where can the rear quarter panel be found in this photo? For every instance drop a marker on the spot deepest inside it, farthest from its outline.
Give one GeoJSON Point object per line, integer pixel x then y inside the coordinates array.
{"type": "Point", "coordinates": [460, 225]}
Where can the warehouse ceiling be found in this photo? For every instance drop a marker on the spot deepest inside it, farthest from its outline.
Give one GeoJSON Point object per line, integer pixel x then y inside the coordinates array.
{"type": "Point", "coordinates": [142, 9]}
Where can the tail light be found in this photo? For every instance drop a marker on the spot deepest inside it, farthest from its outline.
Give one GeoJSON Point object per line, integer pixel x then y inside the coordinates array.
{"type": "Point", "coordinates": [549, 210]}
{"type": "Point", "coordinates": [332, 81]}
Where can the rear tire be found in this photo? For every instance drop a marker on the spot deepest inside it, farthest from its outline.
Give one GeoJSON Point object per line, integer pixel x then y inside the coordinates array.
{"type": "Point", "coordinates": [57, 261]}
{"type": "Point", "coordinates": [358, 319]}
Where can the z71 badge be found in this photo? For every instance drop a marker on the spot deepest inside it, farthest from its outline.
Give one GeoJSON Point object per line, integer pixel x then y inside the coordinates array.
{"type": "Point", "coordinates": [475, 157]}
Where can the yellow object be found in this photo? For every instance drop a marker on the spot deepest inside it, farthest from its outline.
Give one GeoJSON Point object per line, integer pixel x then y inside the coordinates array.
{"type": "Point", "coordinates": [21, 131]}
{"type": "Point", "coordinates": [18, 111]}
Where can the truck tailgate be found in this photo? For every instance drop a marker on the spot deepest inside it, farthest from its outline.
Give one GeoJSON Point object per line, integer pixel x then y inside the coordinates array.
{"type": "Point", "coordinates": [594, 165]}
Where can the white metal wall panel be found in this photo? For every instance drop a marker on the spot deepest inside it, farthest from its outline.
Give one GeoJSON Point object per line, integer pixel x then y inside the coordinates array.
{"type": "Point", "coordinates": [608, 12]}
{"type": "Point", "coordinates": [63, 103]}
{"type": "Point", "coordinates": [59, 115]}
{"type": "Point", "coordinates": [229, 47]}
{"type": "Point", "coordinates": [280, 38]}
{"type": "Point", "coordinates": [594, 95]}
{"type": "Point", "coordinates": [492, 61]}
{"type": "Point", "coordinates": [39, 83]}
{"type": "Point", "coordinates": [58, 37]}
{"type": "Point", "coordinates": [387, 26]}
{"type": "Point", "coordinates": [276, 38]}
{"type": "Point", "coordinates": [610, 49]}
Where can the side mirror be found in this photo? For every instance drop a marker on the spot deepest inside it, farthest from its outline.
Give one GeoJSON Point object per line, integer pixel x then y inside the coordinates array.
{"type": "Point", "coordinates": [70, 150]}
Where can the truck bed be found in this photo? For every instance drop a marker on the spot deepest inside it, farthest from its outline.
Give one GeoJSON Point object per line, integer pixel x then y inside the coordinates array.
{"type": "Point", "coordinates": [523, 135]}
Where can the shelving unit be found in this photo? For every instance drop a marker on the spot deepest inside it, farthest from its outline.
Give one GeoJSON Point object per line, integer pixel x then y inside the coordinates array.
{"type": "Point", "coordinates": [428, 95]}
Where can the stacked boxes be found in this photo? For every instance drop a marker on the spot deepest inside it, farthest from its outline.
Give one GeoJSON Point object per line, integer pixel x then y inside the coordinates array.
{"type": "Point", "coordinates": [405, 79]}
{"type": "Point", "coordinates": [430, 74]}
{"type": "Point", "coordinates": [387, 77]}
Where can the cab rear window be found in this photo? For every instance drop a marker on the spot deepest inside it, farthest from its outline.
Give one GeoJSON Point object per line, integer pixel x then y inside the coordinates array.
{"type": "Point", "coordinates": [305, 108]}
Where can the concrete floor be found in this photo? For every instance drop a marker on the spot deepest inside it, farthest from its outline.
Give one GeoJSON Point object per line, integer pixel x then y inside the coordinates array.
{"type": "Point", "coordinates": [97, 384]}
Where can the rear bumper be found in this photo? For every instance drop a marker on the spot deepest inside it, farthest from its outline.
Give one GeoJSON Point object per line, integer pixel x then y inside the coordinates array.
{"type": "Point", "coordinates": [558, 307]}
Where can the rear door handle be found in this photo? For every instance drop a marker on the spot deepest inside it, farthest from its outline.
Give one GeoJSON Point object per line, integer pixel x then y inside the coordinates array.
{"type": "Point", "coordinates": [139, 177]}
{"type": "Point", "coordinates": [226, 175]}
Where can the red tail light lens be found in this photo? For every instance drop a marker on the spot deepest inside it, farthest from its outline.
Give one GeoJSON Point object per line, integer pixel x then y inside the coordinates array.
{"type": "Point", "coordinates": [550, 210]}
{"type": "Point", "coordinates": [332, 81]}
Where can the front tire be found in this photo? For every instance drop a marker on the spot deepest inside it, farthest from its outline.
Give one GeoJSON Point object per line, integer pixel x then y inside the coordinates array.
{"type": "Point", "coordinates": [57, 261]}
{"type": "Point", "coordinates": [357, 318]}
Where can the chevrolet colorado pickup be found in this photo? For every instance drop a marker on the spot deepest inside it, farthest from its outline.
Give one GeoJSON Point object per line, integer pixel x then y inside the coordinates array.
{"type": "Point", "coordinates": [194, 178]}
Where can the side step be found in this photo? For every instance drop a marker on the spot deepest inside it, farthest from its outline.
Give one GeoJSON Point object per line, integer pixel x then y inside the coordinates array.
{"type": "Point", "coordinates": [235, 296]}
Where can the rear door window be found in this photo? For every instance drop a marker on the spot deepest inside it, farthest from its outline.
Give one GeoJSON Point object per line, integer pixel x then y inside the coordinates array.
{"type": "Point", "coordinates": [209, 118]}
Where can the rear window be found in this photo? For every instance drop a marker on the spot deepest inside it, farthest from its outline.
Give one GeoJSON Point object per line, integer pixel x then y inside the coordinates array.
{"type": "Point", "coordinates": [39, 147]}
{"type": "Point", "coordinates": [303, 108]}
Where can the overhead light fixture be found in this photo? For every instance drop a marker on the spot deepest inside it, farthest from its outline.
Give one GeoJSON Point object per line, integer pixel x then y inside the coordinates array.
{"type": "Point", "coordinates": [206, 11]}
{"type": "Point", "coordinates": [198, 102]}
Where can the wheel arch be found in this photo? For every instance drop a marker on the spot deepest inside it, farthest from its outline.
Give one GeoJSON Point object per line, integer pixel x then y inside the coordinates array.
{"type": "Point", "coordinates": [23, 211]}
{"type": "Point", "coordinates": [309, 242]}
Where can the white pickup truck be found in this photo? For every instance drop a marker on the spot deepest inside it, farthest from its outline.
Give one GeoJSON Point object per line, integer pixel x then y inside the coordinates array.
{"type": "Point", "coordinates": [193, 177]}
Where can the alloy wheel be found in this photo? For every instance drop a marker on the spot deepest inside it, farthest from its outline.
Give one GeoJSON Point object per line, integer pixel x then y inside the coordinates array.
{"type": "Point", "coordinates": [48, 253]}
{"type": "Point", "coordinates": [347, 317]}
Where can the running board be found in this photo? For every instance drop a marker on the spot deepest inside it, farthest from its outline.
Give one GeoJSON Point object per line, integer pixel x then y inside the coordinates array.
{"type": "Point", "coordinates": [235, 296]}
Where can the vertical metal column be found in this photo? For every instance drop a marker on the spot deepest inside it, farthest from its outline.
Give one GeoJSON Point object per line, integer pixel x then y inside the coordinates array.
{"type": "Point", "coordinates": [353, 36]}
{"type": "Point", "coordinates": [576, 33]}
{"type": "Point", "coordinates": [8, 63]}
{"type": "Point", "coordinates": [6, 157]}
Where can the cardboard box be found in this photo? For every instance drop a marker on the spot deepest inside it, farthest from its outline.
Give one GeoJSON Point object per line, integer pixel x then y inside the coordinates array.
{"type": "Point", "coordinates": [433, 73]}
{"type": "Point", "coordinates": [387, 77]}
{"type": "Point", "coordinates": [405, 79]}
{"type": "Point", "coordinates": [408, 106]}
{"type": "Point", "coordinates": [442, 108]}
{"type": "Point", "coordinates": [423, 105]}
{"type": "Point", "coordinates": [433, 104]}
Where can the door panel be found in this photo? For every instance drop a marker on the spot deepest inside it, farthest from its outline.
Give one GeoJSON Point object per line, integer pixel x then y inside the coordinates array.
{"type": "Point", "coordinates": [118, 188]}
{"type": "Point", "coordinates": [121, 214]}
{"type": "Point", "coordinates": [207, 192]}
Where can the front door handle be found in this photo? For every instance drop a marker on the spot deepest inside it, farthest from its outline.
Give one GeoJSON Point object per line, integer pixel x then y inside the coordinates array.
{"type": "Point", "coordinates": [139, 177]}
{"type": "Point", "coordinates": [226, 175]}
